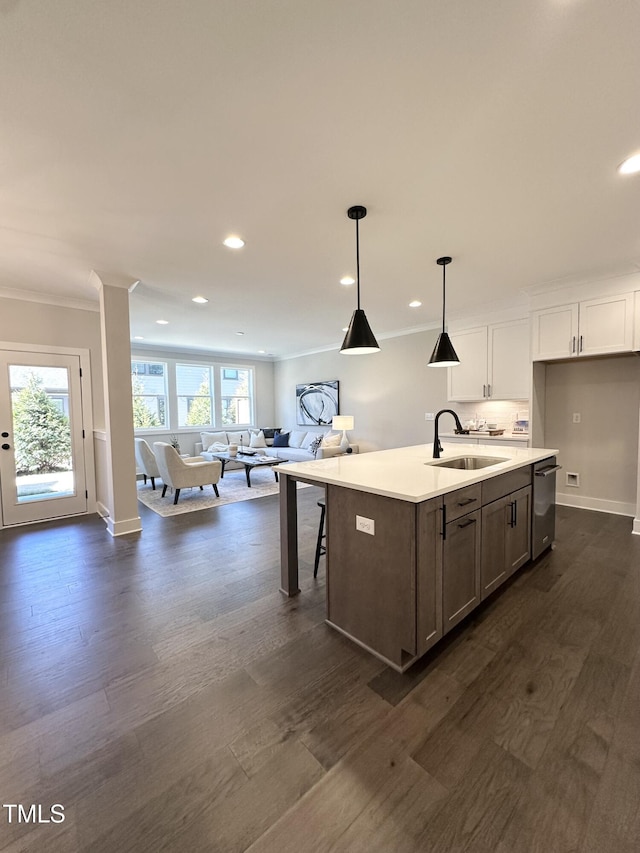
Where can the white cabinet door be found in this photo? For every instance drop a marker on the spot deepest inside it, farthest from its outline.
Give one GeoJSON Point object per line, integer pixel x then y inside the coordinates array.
{"type": "Point", "coordinates": [468, 380]}
{"type": "Point", "coordinates": [509, 375]}
{"type": "Point", "coordinates": [554, 333]}
{"type": "Point", "coordinates": [606, 325]}
{"type": "Point", "coordinates": [636, 322]}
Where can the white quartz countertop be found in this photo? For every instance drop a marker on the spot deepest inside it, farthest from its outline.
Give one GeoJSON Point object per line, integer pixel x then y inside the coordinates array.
{"type": "Point", "coordinates": [408, 473]}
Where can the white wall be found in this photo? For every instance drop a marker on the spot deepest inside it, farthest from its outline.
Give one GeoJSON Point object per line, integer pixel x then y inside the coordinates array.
{"type": "Point", "coordinates": [53, 325]}
{"type": "Point", "coordinates": [388, 392]}
{"type": "Point", "coordinates": [603, 447]}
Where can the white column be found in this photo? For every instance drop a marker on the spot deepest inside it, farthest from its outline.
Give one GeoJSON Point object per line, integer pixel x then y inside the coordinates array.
{"type": "Point", "coordinates": [636, 520]}
{"type": "Point", "coordinates": [120, 495]}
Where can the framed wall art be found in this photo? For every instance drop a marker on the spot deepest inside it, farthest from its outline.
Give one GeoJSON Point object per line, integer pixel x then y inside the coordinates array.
{"type": "Point", "coordinates": [317, 403]}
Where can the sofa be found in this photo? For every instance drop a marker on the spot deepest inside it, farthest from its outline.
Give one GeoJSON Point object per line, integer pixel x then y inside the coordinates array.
{"type": "Point", "coordinates": [287, 445]}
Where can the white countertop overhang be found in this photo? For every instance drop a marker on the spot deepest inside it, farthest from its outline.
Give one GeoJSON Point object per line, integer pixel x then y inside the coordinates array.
{"type": "Point", "coordinates": [409, 473]}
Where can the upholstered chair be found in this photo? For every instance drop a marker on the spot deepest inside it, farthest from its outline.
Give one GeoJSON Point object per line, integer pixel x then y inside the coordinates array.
{"type": "Point", "coordinates": [181, 474]}
{"type": "Point", "coordinates": [146, 461]}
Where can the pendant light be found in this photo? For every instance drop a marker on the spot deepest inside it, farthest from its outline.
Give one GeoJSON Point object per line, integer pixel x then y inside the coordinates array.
{"type": "Point", "coordinates": [359, 338]}
{"type": "Point", "coordinates": [443, 354]}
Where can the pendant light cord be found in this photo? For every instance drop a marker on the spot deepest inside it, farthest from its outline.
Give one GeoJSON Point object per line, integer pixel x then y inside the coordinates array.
{"type": "Point", "coordinates": [358, 260]}
{"type": "Point", "coordinates": [444, 275]}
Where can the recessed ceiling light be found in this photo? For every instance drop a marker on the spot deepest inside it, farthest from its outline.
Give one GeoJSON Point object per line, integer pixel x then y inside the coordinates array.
{"type": "Point", "coordinates": [138, 338]}
{"type": "Point", "coordinates": [347, 279]}
{"type": "Point", "coordinates": [201, 300]}
{"type": "Point", "coordinates": [162, 322]}
{"type": "Point", "coordinates": [630, 166]}
{"type": "Point", "coordinates": [239, 333]}
{"type": "Point", "coordinates": [233, 242]}
{"type": "Point", "coordinates": [415, 304]}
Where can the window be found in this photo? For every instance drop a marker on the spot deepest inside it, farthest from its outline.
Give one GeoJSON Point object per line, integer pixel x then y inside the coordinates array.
{"type": "Point", "coordinates": [236, 397]}
{"type": "Point", "coordinates": [195, 400]}
{"type": "Point", "coordinates": [171, 395]}
{"type": "Point", "coordinates": [149, 389]}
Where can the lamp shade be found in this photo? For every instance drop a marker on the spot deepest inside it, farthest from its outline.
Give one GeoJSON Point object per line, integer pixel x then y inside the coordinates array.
{"type": "Point", "coordinates": [344, 422]}
{"type": "Point", "coordinates": [359, 339]}
{"type": "Point", "coordinates": [443, 354]}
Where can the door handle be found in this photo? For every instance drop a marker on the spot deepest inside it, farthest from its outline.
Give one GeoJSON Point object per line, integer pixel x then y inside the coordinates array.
{"type": "Point", "coordinates": [484, 390]}
{"type": "Point", "coordinates": [488, 390]}
{"type": "Point", "coordinates": [443, 532]}
{"type": "Point", "coordinates": [580, 349]}
{"type": "Point", "coordinates": [512, 519]}
{"type": "Point", "coordinates": [573, 344]}
{"type": "Point", "coordinates": [467, 523]}
{"type": "Point", "coordinates": [467, 501]}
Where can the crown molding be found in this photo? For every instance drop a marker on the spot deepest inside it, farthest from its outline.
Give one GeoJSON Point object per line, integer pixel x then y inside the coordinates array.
{"type": "Point", "coordinates": [48, 299]}
{"type": "Point", "coordinates": [629, 268]}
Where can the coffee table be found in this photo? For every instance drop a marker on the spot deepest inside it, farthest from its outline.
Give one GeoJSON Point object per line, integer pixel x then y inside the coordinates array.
{"type": "Point", "coordinates": [249, 463]}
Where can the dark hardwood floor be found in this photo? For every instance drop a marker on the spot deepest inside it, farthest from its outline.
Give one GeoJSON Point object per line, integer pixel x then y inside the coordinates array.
{"type": "Point", "coordinates": [162, 690]}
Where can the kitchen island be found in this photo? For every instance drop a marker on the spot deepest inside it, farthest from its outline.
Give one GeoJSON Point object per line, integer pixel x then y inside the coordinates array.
{"type": "Point", "coordinates": [413, 546]}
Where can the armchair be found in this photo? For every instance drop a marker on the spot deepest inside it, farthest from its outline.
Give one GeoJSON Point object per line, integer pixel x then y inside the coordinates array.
{"type": "Point", "coordinates": [146, 461]}
{"type": "Point", "coordinates": [180, 474]}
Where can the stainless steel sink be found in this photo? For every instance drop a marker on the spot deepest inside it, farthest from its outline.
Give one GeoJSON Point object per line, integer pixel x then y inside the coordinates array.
{"type": "Point", "coordinates": [469, 463]}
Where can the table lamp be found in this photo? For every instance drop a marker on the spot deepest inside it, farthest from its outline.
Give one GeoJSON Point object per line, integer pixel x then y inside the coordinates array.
{"type": "Point", "coordinates": [344, 423]}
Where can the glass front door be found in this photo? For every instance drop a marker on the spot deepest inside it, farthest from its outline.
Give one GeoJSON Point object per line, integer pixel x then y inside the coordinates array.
{"type": "Point", "coordinates": [42, 468]}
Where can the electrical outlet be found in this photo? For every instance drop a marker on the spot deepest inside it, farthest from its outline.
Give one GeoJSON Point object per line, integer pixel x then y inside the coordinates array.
{"type": "Point", "coordinates": [573, 479]}
{"type": "Point", "coordinates": [429, 416]}
{"type": "Point", "coordinates": [365, 525]}
{"type": "Point", "coordinates": [577, 417]}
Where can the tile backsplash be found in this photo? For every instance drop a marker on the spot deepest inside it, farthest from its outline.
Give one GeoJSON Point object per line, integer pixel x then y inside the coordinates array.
{"type": "Point", "coordinates": [503, 413]}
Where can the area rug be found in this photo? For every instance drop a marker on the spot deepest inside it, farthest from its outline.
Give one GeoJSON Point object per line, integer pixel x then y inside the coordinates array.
{"type": "Point", "coordinates": [232, 488]}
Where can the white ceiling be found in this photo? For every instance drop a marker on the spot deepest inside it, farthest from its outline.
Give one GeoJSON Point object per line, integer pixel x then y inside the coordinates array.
{"type": "Point", "coordinates": [136, 134]}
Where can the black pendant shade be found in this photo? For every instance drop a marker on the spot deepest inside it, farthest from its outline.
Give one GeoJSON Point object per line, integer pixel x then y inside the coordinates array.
{"type": "Point", "coordinates": [359, 339]}
{"type": "Point", "coordinates": [443, 354]}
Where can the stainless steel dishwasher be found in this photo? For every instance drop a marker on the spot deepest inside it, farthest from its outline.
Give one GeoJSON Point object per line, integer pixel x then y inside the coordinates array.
{"type": "Point", "coordinates": [544, 505]}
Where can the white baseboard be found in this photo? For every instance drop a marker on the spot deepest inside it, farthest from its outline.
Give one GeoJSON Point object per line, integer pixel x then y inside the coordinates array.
{"type": "Point", "coordinates": [120, 528]}
{"type": "Point", "coordinates": [636, 526]}
{"type": "Point", "coordinates": [596, 504]}
{"type": "Point", "coordinates": [102, 510]}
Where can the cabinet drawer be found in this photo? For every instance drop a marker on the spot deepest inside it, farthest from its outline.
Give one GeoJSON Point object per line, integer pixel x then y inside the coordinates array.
{"type": "Point", "coordinates": [462, 501]}
{"type": "Point", "coordinates": [498, 487]}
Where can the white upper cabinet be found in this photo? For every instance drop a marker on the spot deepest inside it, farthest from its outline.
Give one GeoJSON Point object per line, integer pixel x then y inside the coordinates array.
{"type": "Point", "coordinates": [593, 327]}
{"type": "Point", "coordinates": [494, 363]}
{"type": "Point", "coordinates": [468, 380]}
{"type": "Point", "coordinates": [509, 375]}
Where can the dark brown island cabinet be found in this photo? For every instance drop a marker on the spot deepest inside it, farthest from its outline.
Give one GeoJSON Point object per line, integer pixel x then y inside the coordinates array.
{"type": "Point", "coordinates": [429, 564]}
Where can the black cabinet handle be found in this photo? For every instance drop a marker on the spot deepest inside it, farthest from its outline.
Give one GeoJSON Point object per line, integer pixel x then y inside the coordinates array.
{"type": "Point", "coordinates": [5, 435]}
{"type": "Point", "coordinates": [443, 533]}
{"type": "Point", "coordinates": [513, 516]}
{"type": "Point", "coordinates": [467, 501]}
{"type": "Point", "coordinates": [6, 447]}
{"type": "Point", "coordinates": [468, 522]}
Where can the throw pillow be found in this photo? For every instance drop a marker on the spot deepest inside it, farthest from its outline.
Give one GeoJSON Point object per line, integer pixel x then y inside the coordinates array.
{"type": "Point", "coordinates": [309, 438]}
{"type": "Point", "coordinates": [269, 432]}
{"type": "Point", "coordinates": [281, 439]}
{"type": "Point", "coordinates": [257, 438]}
{"type": "Point", "coordinates": [332, 440]}
{"type": "Point", "coordinates": [315, 444]}
{"type": "Point", "coordinates": [216, 447]}
{"type": "Point", "coordinates": [241, 438]}
{"type": "Point", "coordinates": [208, 438]}
{"type": "Point", "coordinates": [296, 437]}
